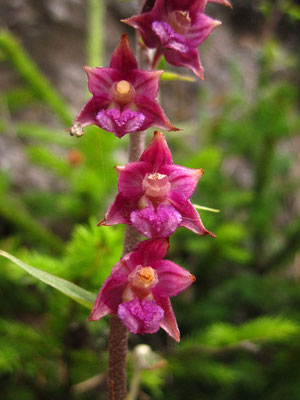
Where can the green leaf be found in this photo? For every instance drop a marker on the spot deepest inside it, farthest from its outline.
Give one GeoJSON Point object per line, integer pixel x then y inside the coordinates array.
{"type": "Point", "coordinates": [78, 294]}
{"type": "Point", "coordinates": [172, 76]}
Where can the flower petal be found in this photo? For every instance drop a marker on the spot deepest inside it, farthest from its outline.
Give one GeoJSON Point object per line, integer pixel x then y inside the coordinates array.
{"type": "Point", "coordinates": [100, 80]}
{"type": "Point", "coordinates": [183, 180]}
{"type": "Point", "coordinates": [119, 212]}
{"type": "Point", "coordinates": [201, 28]}
{"type": "Point", "coordinates": [151, 250]}
{"type": "Point", "coordinates": [168, 38]}
{"type": "Point", "coordinates": [172, 279]}
{"type": "Point", "coordinates": [145, 82]}
{"type": "Point", "coordinates": [190, 60]}
{"type": "Point", "coordinates": [141, 317]}
{"type": "Point", "coordinates": [156, 223]}
{"type": "Point", "coordinates": [190, 217]}
{"type": "Point", "coordinates": [157, 152]}
{"type": "Point", "coordinates": [155, 115]}
{"type": "Point", "coordinates": [186, 5]}
{"type": "Point", "coordinates": [224, 2]}
{"type": "Point", "coordinates": [109, 296]}
{"type": "Point", "coordinates": [131, 178]}
{"type": "Point", "coordinates": [123, 58]}
{"type": "Point", "coordinates": [168, 322]}
{"type": "Point", "coordinates": [143, 22]}
{"type": "Point", "coordinates": [120, 122]}
{"type": "Point", "coordinates": [87, 115]}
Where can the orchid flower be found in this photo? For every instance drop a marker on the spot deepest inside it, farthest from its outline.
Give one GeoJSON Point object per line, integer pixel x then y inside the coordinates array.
{"type": "Point", "coordinates": [176, 28]}
{"type": "Point", "coordinates": [124, 97]}
{"type": "Point", "coordinates": [154, 194]}
{"type": "Point", "coordinates": [139, 288]}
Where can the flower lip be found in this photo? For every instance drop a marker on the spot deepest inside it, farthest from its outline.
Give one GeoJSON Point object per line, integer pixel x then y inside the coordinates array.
{"type": "Point", "coordinates": [156, 185]}
{"type": "Point", "coordinates": [122, 92]}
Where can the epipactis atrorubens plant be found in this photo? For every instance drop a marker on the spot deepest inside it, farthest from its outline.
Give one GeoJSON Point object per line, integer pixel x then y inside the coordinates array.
{"type": "Point", "coordinates": [153, 193]}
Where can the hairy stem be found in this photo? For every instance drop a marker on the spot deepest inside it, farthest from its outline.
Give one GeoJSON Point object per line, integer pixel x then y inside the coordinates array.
{"type": "Point", "coordinates": [118, 337]}
{"type": "Point", "coordinates": [118, 334]}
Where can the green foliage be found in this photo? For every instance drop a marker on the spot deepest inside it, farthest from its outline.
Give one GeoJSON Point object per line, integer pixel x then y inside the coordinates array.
{"type": "Point", "coordinates": [68, 288]}
{"type": "Point", "coordinates": [31, 75]}
{"type": "Point", "coordinates": [240, 320]}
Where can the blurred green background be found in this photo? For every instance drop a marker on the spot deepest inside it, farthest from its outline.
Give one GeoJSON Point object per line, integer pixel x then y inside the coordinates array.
{"type": "Point", "coordinates": [240, 321]}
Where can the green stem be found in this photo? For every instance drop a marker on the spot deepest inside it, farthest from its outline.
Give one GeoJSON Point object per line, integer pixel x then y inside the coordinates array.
{"type": "Point", "coordinates": [95, 38]}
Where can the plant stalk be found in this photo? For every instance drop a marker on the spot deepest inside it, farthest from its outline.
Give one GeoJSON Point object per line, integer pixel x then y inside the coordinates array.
{"type": "Point", "coordinates": [118, 337]}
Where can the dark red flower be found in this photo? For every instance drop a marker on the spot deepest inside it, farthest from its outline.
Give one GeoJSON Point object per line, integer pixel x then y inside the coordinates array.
{"type": "Point", "coordinates": [124, 97]}
{"type": "Point", "coordinates": [176, 28]}
{"type": "Point", "coordinates": [154, 194]}
{"type": "Point", "coordinates": [139, 289]}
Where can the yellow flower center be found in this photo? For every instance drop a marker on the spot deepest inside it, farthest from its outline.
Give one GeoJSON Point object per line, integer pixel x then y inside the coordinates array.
{"type": "Point", "coordinates": [144, 278]}
{"type": "Point", "coordinates": [147, 276]}
{"type": "Point", "coordinates": [122, 92]}
{"type": "Point", "coordinates": [123, 88]}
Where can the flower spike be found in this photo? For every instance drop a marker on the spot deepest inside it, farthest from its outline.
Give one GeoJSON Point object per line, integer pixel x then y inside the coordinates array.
{"type": "Point", "coordinates": [154, 194]}
{"type": "Point", "coordinates": [124, 97]}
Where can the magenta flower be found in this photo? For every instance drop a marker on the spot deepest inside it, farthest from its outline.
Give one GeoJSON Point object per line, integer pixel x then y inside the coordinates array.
{"type": "Point", "coordinates": [139, 289]}
{"type": "Point", "coordinates": [154, 194]}
{"type": "Point", "coordinates": [124, 97]}
{"type": "Point", "coordinates": [176, 28]}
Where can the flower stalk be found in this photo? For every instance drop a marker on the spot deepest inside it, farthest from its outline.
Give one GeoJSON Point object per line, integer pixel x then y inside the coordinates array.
{"type": "Point", "coordinates": [118, 336]}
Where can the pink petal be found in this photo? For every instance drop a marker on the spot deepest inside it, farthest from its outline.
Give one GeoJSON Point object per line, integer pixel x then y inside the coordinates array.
{"type": "Point", "coordinates": [143, 23]}
{"type": "Point", "coordinates": [183, 180]}
{"type": "Point", "coordinates": [224, 2]}
{"type": "Point", "coordinates": [119, 212]}
{"type": "Point", "coordinates": [201, 28]}
{"type": "Point", "coordinates": [109, 296]}
{"type": "Point", "coordinates": [186, 5]}
{"type": "Point", "coordinates": [100, 80]}
{"type": "Point", "coordinates": [172, 278]}
{"type": "Point", "coordinates": [190, 60]}
{"type": "Point", "coordinates": [168, 322]}
{"type": "Point", "coordinates": [123, 58]}
{"type": "Point", "coordinates": [131, 178]}
{"type": "Point", "coordinates": [87, 115]}
{"type": "Point", "coordinates": [190, 217]}
{"type": "Point", "coordinates": [157, 152]}
{"type": "Point", "coordinates": [145, 82]}
{"type": "Point", "coordinates": [168, 38]}
{"type": "Point", "coordinates": [141, 317]}
{"type": "Point", "coordinates": [151, 250]}
{"type": "Point", "coordinates": [156, 223]}
{"type": "Point", "coordinates": [120, 122]}
{"type": "Point", "coordinates": [155, 115]}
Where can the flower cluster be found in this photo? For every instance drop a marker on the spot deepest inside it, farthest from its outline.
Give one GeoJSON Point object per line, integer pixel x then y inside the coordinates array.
{"type": "Point", "coordinates": [153, 193]}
